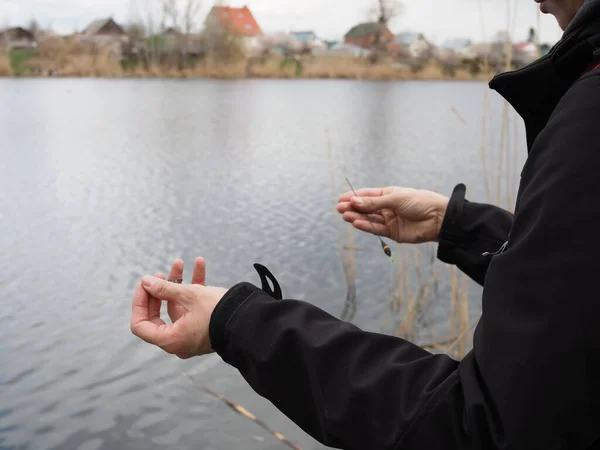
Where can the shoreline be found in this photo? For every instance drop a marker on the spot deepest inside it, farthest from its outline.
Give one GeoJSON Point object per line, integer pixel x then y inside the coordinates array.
{"type": "Point", "coordinates": [185, 76]}
{"type": "Point", "coordinates": [89, 66]}
{"type": "Point", "coordinates": [198, 78]}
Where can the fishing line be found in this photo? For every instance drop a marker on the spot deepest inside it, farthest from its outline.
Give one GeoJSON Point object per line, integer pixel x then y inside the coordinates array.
{"type": "Point", "coordinates": [386, 248]}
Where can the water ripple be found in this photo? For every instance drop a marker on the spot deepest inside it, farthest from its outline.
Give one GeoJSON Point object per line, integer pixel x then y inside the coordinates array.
{"type": "Point", "coordinates": [19, 377]}
{"type": "Point", "coordinates": [237, 172]}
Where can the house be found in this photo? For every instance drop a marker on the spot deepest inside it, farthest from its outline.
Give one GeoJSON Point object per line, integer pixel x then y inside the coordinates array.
{"type": "Point", "coordinates": [170, 40]}
{"type": "Point", "coordinates": [457, 50]}
{"type": "Point", "coordinates": [190, 44]}
{"type": "Point", "coordinates": [414, 44]}
{"type": "Point", "coordinates": [280, 43]}
{"type": "Point", "coordinates": [348, 50]}
{"type": "Point", "coordinates": [545, 49]}
{"type": "Point", "coordinates": [527, 48]}
{"type": "Point", "coordinates": [237, 22]}
{"type": "Point", "coordinates": [292, 43]}
{"type": "Point", "coordinates": [309, 40]}
{"type": "Point", "coordinates": [305, 36]}
{"type": "Point", "coordinates": [369, 35]}
{"type": "Point", "coordinates": [107, 35]}
{"type": "Point", "coordinates": [104, 29]}
{"type": "Point", "coordinates": [17, 38]}
{"type": "Point", "coordinates": [170, 47]}
{"type": "Point", "coordinates": [525, 53]}
{"type": "Point", "coordinates": [456, 44]}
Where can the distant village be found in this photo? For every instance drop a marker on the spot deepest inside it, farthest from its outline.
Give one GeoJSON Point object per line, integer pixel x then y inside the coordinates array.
{"type": "Point", "coordinates": [234, 33]}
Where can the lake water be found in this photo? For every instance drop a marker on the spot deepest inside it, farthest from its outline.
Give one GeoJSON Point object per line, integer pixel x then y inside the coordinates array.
{"type": "Point", "coordinates": [102, 181]}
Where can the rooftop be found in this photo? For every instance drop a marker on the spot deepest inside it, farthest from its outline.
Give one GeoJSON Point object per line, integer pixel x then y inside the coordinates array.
{"type": "Point", "coordinates": [366, 29]}
{"type": "Point", "coordinates": [238, 21]}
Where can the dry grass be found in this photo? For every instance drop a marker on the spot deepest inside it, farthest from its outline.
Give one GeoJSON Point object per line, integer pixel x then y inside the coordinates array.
{"type": "Point", "coordinates": [5, 69]}
{"type": "Point", "coordinates": [347, 250]}
{"type": "Point", "coordinates": [416, 295]}
{"type": "Point", "coordinates": [67, 57]}
{"type": "Point", "coordinates": [340, 67]}
{"type": "Point", "coordinates": [239, 409]}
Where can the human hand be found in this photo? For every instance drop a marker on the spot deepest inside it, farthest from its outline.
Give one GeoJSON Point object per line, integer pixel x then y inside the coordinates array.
{"type": "Point", "coordinates": [198, 277]}
{"type": "Point", "coordinates": [403, 214]}
{"type": "Point", "coordinates": [188, 335]}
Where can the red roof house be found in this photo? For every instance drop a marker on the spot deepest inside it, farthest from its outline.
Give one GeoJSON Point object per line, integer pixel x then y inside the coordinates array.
{"type": "Point", "coordinates": [237, 21]}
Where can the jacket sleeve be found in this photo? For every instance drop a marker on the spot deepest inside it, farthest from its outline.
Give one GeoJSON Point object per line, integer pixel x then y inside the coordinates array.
{"type": "Point", "coordinates": [532, 380]}
{"type": "Point", "coordinates": [470, 233]}
{"type": "Point", "coordinates": [348, 388]}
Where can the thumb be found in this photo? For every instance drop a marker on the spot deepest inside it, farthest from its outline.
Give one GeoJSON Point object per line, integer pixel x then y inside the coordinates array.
{"type": "Point", "coordinates": [165, 290]}
{"type": "Point", "coordinates": [371, 204]}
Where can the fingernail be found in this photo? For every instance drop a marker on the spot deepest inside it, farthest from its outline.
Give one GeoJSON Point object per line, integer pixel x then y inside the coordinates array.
{"type": "Point", "coordinates": [148, 281]}
{"type": "Point", "coordinates": [358, 200]}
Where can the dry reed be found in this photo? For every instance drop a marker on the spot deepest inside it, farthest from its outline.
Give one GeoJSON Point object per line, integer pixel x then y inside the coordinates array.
{"type": "Point", "coordinates": [5, 69]}
{"type": "Point", "coordinates": [244, 413]}
{"type": "Point", "coordinates": [67, 57]}
{"type": "Point", "coordinates": [409, 305]}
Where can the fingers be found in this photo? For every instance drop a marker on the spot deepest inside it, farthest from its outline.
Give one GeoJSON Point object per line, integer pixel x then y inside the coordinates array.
{"type": "Point", "coordinates": [345, 207]}
{"type": "Point", "coordinates": [365, 192]}
{"type": "Point", "coordinates": [176, 270]}
{"type": "Point", "coordinates": [373, 204]}
{"type": "Point", "coordinates": [139, 307]}
{"type": "Point", "coordinates": [376, 228]}
{"type": "Point", "coordinates": [370, 205]}
{"type": "Point", "coordinates": [175, 310]}
{"type": "Point", "coordinates": [154, 303]}
{"type": "Point", "coordinates": [370, 200]}
{"type": "Point", "coordinates": [174, 307]}
{"type": "Point", "coordinates": [351, 216]}
{"type": "Point", "coordinates": [199, 274]}
{"type": "Point", "coordinates": [150, 331]}
{"type": "Point", "coordinates": [166, 290]}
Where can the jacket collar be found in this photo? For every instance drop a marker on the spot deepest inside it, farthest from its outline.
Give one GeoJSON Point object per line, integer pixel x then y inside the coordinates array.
{"type": "Point", "coordinates": [535, 90]}
{"type": "Point", "coordinates": [589, 11]}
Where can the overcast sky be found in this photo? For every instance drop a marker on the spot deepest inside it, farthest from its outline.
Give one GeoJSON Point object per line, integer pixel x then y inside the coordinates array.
{"type": "Point", "coordinates": [438, 19]}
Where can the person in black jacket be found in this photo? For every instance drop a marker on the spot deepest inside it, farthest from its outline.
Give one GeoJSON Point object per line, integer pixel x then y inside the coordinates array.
{"type": "Point", "coordinates": [532, 380]}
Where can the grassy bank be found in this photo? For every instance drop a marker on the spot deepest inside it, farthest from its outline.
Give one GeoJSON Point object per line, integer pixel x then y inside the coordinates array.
{"type": "Point", "coordinates": [318, 68]}
{"type": "Point", "coordinates": [18, 61]}
{"type": "Point", "coordinates": [72, 59]}
{"type": "Point", "coordinates": [5, 69]}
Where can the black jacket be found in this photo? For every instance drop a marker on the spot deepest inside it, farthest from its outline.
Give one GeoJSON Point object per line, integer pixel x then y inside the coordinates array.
{"type": "Point", "coordinates": [532, 380]}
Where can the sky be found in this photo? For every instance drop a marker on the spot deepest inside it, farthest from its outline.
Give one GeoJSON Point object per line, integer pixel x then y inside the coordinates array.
{"type": "Point", "coordinates": [330, 19]}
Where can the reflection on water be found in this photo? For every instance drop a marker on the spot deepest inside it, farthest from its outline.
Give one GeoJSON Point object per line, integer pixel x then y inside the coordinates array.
{"type": "Point", "coordinates": [104, 181]}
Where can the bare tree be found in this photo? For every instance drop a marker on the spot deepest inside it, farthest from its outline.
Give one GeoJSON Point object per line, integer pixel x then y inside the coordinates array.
{"type": "Point", "coordinates": [180, 14]}
{"type": "Point", "coordinates": [170, 12]}
{"type": "Point", "coordinates": [142, 24]}
{"type": "Point", "coordinates": [136, 31]}
{"type": "Point", "coordinates": [34, 28]}
{"type": "Point", "coordinates": [383, 12]}
{"type": "Point", "coordinates": [141, 18]}
{"type": "Point", "coordinates": [386, 11]}
{"type": "Point", "coordinates": [192, 9]}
